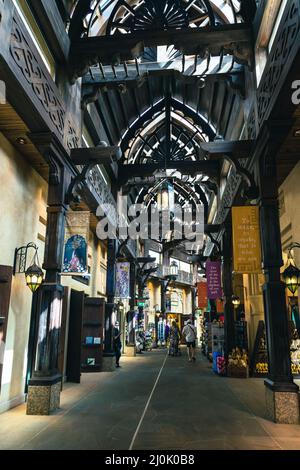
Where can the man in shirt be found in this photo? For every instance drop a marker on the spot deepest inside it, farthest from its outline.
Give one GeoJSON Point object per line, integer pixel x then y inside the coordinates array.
{"type": "Point", "coordinates": [190, 334]}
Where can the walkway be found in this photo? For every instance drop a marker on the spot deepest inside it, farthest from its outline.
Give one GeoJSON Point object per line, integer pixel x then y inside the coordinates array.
{"type": "Point", "coordinates": [189, 409]}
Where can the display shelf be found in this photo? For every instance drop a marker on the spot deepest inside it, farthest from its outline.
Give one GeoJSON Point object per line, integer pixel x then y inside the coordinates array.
{"type": "Point", "coordinates": [92, 330]}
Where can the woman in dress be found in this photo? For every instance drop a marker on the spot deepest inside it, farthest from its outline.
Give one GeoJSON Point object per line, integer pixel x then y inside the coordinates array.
{"type": "Point", "coordinates": [174, 339]}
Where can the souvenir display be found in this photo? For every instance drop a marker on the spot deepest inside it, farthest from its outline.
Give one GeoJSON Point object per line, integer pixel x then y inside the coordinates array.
{"type": "Point", "coordinates": [238, 363]}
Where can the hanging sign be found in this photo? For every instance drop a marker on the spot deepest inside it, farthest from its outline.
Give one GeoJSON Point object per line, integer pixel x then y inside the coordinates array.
{"type": "Point", "coordinates": [220, 306]}
{"type": "Point", "coordinates": [123, 280]}
{"type": "Point", "coordinates": [246, 240]}
{"type": "Point", "coordinates": [76, 243]}
{"type": "Point", "coordinates": [202, 295]}
{"type": "Point", "coordinates": [213, 275]}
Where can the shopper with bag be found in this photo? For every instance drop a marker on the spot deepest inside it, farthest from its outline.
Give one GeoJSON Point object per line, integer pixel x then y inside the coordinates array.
{"type": "Point", "coordinates": [190, 334]}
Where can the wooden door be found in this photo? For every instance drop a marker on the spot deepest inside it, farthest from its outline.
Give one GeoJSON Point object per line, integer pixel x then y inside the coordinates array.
{"type": "Point", "coordinates": [75, 336]}
{"type": "Point", "coordinates": [92, 334]}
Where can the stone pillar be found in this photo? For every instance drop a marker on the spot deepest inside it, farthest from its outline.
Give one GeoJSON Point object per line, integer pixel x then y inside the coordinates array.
{"type": "Point", "coordinates": [282, 397]}
{"type": "Point", "coordinates": [108, 362]}
{"type": "Point", "coordinates": [45, 384]}
{"type": "Point", "coordinates": [229, 330]}
{"type": "Point", "coordinates": [131, 349]}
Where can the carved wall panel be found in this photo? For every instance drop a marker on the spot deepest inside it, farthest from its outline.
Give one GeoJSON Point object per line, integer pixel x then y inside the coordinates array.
{"type": "Point", "coordinates": [25, 57]}
{"type": "Point", "coordinates": [283, 51]}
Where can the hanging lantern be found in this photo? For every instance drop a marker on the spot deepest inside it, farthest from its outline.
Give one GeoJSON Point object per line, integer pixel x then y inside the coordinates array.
{"type": "Point", "coordinates": [165, 197]}
{"type": "Point", "coordinates": [291, 278]}
{"type": "Point", "coordinates": [174, 269]}
{"type": "Point", "coordinates": [236, 301]}
{"type": "Point", "coordinates": [34, 277]}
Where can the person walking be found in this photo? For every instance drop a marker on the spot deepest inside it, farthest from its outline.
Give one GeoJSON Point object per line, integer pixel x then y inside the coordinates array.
{"type": "Point", "coordinates": [117, 343]}
{"type": "Point", "coordinates": [174, 339]}
{"type": "Point", "coordinates": [190, 334]}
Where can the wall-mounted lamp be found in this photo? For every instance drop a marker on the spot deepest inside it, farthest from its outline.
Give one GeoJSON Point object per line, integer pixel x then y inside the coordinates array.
{"type": "Point", "coordinates": [235, 299]}
{"type": "Point", "coordinates": [33, 274]}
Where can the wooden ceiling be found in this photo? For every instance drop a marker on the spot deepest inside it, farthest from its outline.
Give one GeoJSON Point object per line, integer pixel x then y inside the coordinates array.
{"type": "Point", "coordinates": [15, 130]}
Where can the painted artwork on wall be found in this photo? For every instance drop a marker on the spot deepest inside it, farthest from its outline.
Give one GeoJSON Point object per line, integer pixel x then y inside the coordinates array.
{"type": "Point", "coordinates": [75, 258]}
{"type": "Point", "coordinates": [76, 243]}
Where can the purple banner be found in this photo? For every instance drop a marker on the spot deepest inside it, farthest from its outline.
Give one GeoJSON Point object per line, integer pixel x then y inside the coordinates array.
{"type": "Point", "coordinates": [213, 275]}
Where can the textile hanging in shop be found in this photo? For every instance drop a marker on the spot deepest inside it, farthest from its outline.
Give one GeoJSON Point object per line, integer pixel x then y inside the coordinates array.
{"type": "Point", "coordinates": [246, 240]}
{"type": "Point", "coordinates": [123, 280]}
{"type": "Point", "coordinates": [220, 306]}
{"type": "Point", "coordinates": [161, 333]}
{"type": "Point", "coordinates": [213, 275]}
{"type": "Point", "coordinates": [202, 295]}
{"type": "Point", "coordinates": [76, 243]}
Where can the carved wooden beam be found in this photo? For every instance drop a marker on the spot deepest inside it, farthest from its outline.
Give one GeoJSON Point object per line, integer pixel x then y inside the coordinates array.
{"type": "Point", "coordinates": [233, 39]}
{"type": "Point", "coordinates": [238, 148]}
{"type": "Point", "coordinates": [96, 155]}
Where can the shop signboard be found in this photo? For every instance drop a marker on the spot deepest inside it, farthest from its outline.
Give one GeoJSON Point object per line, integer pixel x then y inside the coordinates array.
{"type": "Point", "coordinates": [122, 280]}
{"type": "Point", "coordinates": [213, 275]}
{"type": "Point", "coordinates": [77, 229]}
{"type": "Point", "coordinates": [246, 240]}
{"type": "Point", "coordinates": [202, 295]}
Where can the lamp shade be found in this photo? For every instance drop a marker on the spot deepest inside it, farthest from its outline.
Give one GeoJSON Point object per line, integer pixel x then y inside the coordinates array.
{"type": "Point", "coordinates": [291, 278]}
{"type": "Point", "coordinates": [34, 277]}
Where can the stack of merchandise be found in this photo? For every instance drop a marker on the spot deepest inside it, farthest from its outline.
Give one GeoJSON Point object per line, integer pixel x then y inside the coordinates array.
{"type": "Point", "coordinates": [221, 365]}
{"type": "Point", "coordinates": [238, 364]}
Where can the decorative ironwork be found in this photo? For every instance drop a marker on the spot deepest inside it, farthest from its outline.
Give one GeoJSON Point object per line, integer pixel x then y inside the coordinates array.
{"type": "Point", "coordinates": [142, 15]}
{"type": "Point", "coordinates": [20, 260]}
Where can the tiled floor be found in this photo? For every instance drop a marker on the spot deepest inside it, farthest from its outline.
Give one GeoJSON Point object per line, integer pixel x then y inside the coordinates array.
{"type": "Point", "coordinates": [190, 408]}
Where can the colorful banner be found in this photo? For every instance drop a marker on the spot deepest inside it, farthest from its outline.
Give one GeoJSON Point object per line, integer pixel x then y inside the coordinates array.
{"type": "Point", "coordinates": [246, 240]}
{"type": "Point", "coordinates": [220, 306]}
{"type": "Point", "coordinates": [202, 295]}
{"type": "Point", "coordinates": [213, 276]}
{"type": "Point", "coordinates": [76, 243]}
{"type": "Point", "coordinates": [123, 280]}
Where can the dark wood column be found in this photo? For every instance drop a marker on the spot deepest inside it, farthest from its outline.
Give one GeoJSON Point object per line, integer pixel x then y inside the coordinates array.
{"type": "Point", "coordinates": [110, 292]}
{"type": "Point", "coordinates": [48, 303]}
{"type": "Point", "coordinates": [229, 331]}
{"type": "Point", "coordinates": [281, 391]}
{"type": "Point", "coordinates": [131, 332]}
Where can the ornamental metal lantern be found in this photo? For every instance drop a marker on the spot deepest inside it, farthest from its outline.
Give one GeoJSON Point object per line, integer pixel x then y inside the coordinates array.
{"type": "Point", "coordinates": [236, 301]}
{"type": "Point", "coordinates": [291, 278]}
{"type": "Point", "coordinates": [33, 274]}
{"type": "Point", "coordinates": [174, 269]}
{"type": "Point", "coordinates": [34, 277]}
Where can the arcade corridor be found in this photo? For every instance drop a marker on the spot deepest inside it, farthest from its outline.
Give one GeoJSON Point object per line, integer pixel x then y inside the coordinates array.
{"type": "Point", "coordinates": [190, 408]}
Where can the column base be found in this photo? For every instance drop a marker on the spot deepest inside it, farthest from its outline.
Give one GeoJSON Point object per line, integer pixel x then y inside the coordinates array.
{"type": "Point", "coordinates": [43, 395]}
{"type": "Point", "coordinates": [108, 364]}
{"type": "Point", "coordinates": [282, 407]}
{"type": "Point", "coordinates": [130, 350]}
